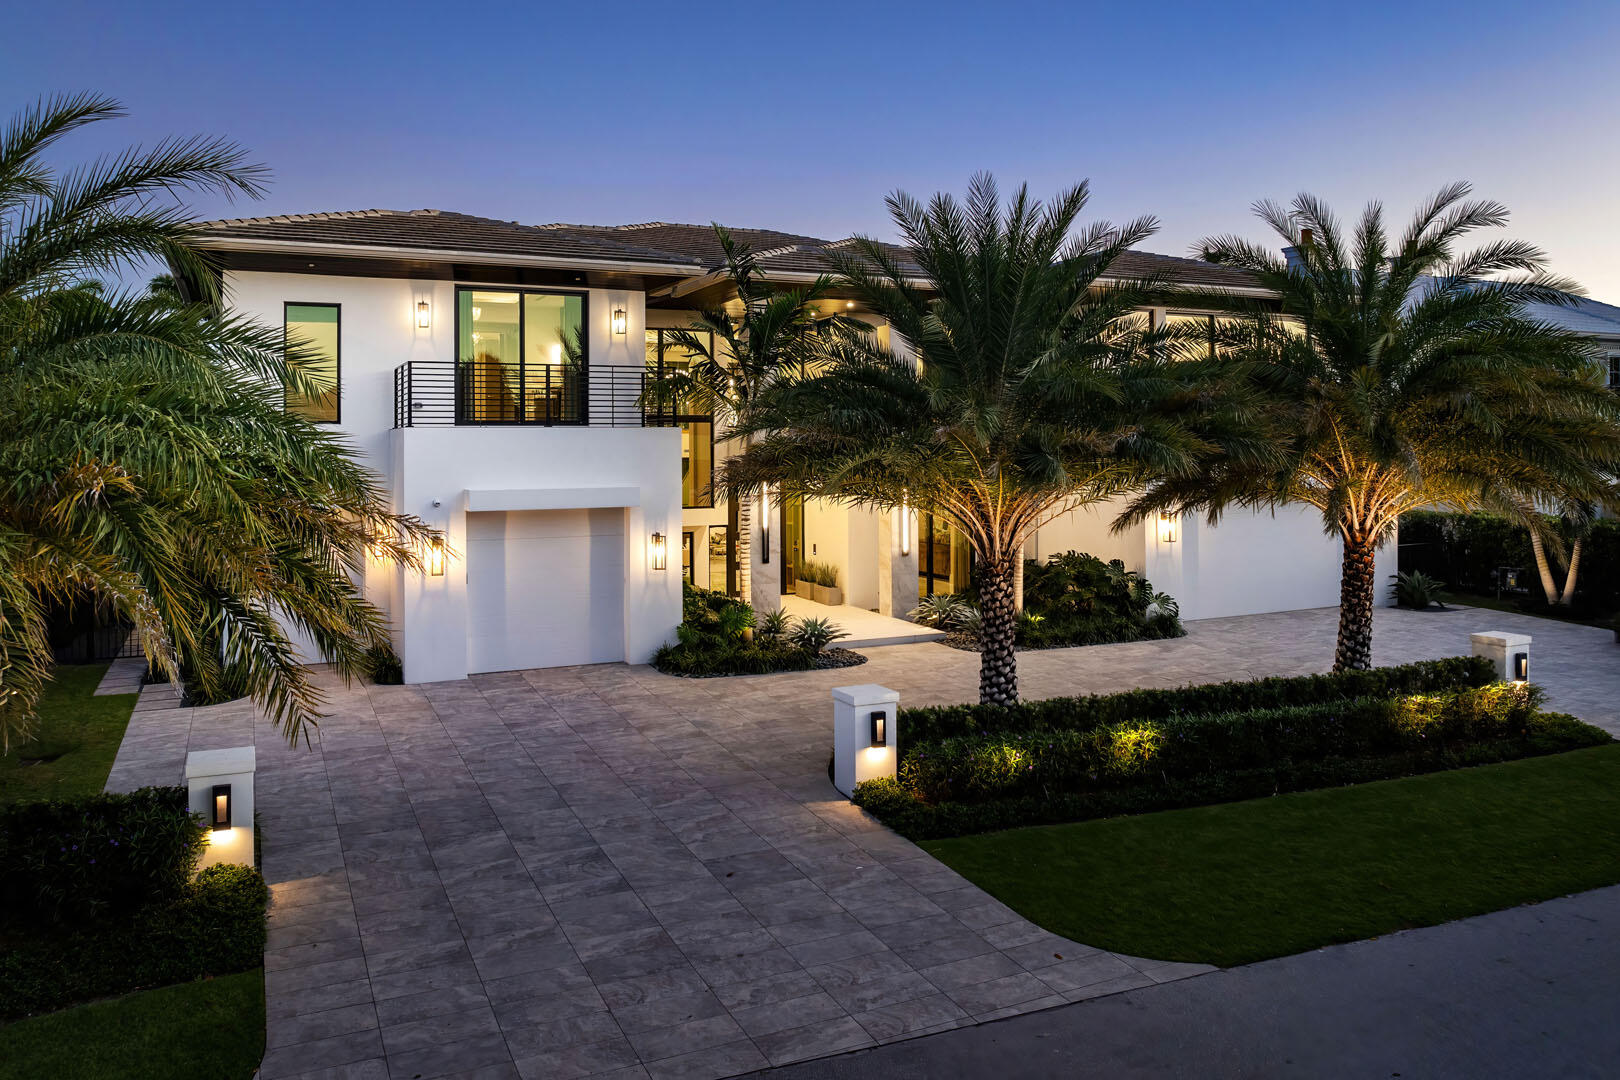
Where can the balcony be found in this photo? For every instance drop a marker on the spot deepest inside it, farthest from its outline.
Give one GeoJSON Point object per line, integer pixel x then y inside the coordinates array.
{"type": "Point", "coordinates": [446, 393]}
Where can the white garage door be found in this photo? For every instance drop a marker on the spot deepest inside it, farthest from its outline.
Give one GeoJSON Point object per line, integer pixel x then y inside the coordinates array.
{"type": "Point", "coordinates": [544, 588]}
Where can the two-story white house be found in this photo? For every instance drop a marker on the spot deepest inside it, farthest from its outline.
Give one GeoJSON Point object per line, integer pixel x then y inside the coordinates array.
{"type": "Point", "coordinates": [491, 372]}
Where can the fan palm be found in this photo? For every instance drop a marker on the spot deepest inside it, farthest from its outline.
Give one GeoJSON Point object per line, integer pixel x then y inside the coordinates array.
{"type": "Point", "coordinates": [735, 358]}
{"type": "Point", "coordinates": [147, 460]}
{"type": "Point", "coordinates": [1402, 375]}
{"type": "Point", "coordinates": [1034, 387]}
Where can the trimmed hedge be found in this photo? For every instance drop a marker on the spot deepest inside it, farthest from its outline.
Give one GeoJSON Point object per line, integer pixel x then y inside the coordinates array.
{"type": "Point", "coordinates": [897, 808]}
{"type": "Point", "coordinates": [1465, 551]}
{"type": "Point", "coordinates": [98, 856]}
{"type": "Point", "coordinates": [933, 723]}
{"type": "Point", "coordinates": [216, 926]}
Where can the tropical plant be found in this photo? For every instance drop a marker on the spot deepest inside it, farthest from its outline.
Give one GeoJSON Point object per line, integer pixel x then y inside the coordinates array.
{"type": "Point", "coordinates": [773, 626]}
{"type": "Point", "coordinates": [1398, 376]}
{"type": "Point", "coordinates": [1415, 589]}
{"type": "Point", "coordinates": [735, 360]}
{"type": "Point", "coordinates": [969, 620]}
{"type": "Point", "coordinates": [939, 611]}
{"type": "Point", "coordinates": [147, 461]}
{"type": "Point", "coordinates": [1019, 381]}
{"type": "Point", "coordinates": [816, 634]}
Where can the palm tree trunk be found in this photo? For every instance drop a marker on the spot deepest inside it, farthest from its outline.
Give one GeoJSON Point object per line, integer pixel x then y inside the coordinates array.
{"type": "Point", "coordinates": [998, 663]}
{"type": "Point", "coordinates": [1567, 597]}
{"type": "Point", "coordinates": [1357, 591]}
{"type": "Point", "coordinates": [1543, 567]}
{"type": "Point", "coordinates": [745, 548]}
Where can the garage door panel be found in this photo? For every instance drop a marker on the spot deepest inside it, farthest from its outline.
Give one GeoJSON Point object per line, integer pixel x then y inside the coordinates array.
{"type": "Point", "coordinates": [544, 588]}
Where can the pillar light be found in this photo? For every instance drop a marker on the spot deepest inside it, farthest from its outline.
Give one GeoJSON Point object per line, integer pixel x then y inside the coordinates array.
{"type": "Point", "coordinates": [1168, 527]}
{"type": "Point", "coordinates": [1521, 667]}
{"type": "Point", "coordinates": [621, 322]}
{"type": "Point", "coordinates": [905, 523]}
{"type": "Point", "coordinates": [221, 803]}
{"type": "Point", "coordinates": [658, 551]}
{"type": "Point", "coordinates": [765, 524]}
{"type": "Point", "coordinates": [424, 314]}
{"type": "Point", "coordinates": [880, 735]}
{"type": "Point", "coordinates": [435, 557]}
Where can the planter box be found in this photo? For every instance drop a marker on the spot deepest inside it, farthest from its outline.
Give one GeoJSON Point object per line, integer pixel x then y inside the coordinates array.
{"type": "Point", "coordinates": [831, 595]}
{"type": "Point", "coordinates": [818, 593]}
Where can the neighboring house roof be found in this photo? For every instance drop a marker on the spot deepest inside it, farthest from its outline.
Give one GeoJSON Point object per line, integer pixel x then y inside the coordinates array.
{"type": "Point", "coordinates": [1583, 316]}
{"type": "Point", "coordinates": [660, 242]}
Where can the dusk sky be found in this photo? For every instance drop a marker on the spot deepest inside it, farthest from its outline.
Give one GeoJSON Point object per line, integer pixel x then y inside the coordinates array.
{"type": "Point", "coordinates": [802, 118]}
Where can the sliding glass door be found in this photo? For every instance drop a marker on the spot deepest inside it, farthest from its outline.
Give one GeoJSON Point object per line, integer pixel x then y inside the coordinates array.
{"type": "Point", "coordinates": [521, 357]}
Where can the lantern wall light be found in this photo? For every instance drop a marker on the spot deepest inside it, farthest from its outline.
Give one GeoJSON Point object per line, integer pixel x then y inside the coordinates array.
{"type": "Point", "coordinates": [221, 804]}
{"type": "Point", "coordinates": [621, 322]}
{"type": "Point", "coordinates": [658, 551]}
{"type": "Point", "coordinates": [435, 557]}
{"type": "Point", "coordinates": [1169, 528]}
{"type": "Point", "coordinates": [424, 314]}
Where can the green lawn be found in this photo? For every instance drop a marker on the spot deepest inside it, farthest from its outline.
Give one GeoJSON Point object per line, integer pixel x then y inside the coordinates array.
{"type": "Point", "coordinates": [75, 742]}
{"type": "Point", "coordinates": [212, 1029]}
{"type": "Point", "coordinates": [1244, 881]}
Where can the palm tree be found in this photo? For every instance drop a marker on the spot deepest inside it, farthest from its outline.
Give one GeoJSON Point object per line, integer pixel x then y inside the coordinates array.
{"type": "Point", "coordinates": [147, 460]}
{"type": "Point", "coordinates": [735, 358]}
{"type": "Point", "coordinates": [1401, 376]}
{"type": "Point", "coordinates": [1033, 387]}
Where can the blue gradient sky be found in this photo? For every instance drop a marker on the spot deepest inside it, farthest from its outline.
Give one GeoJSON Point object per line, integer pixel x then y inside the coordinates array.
{"type": "Point", "coordinates": [803, 117]}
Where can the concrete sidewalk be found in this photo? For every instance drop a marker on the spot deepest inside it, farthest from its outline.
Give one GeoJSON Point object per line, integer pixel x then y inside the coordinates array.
{"type": "Point", "coordinates": [1528, 992]}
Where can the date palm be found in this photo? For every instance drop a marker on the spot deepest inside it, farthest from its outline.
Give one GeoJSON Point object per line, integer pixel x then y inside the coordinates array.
{"type": "Point", "coordinates": [1017, 384]}
{"type": "Point", "coordinates": [1402, 374]}
{"type": "Point", "coordinates": [736, 355]}
{"type": "Point", "coordinates": [147, 461]}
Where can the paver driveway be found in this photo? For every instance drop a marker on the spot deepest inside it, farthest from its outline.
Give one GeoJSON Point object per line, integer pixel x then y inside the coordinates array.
{"type": "Point", "coordinates": [604, 870]}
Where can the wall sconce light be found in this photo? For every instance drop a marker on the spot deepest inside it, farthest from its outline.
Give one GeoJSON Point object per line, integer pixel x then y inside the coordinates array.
{"type": "Point", "coordinates": [905, 523]}
{"type": "Point", "coordinates": [621, 322]}
{"type": "Point", "coordinates": [658, 551]}
{"type": "Point", "coordinates": [435, 557]}
{"type": "Point", "coordinates": [424, 314]}
{"type": "Point", "coordinates": [880, 734]}
{"type": "Point", "coordinates": [1168, 528]}
{"type": "Point", "coordinates": [765, 525]}
{"type": "Point", "coordinates": [221, 802]}
{"type": "Point", "coordinates": [1521, 667]}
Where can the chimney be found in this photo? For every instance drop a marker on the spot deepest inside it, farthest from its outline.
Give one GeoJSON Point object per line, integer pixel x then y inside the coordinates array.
{"type": "Point", "coordinates": [1291, 254]}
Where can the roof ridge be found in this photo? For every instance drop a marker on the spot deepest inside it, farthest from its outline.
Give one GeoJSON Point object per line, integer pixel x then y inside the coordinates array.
{"type": "Point", "coordinates": [322, 215]}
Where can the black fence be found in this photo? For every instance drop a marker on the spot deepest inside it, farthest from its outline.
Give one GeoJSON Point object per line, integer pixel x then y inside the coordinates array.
{"type": "Point", "coordinates": [103, 643]}
{"type": "Point", "coordinates": [443, 393]}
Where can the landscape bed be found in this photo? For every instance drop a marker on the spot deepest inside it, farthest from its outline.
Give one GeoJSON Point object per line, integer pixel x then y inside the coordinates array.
{"type": "Point", "coordinates": [969, 769]}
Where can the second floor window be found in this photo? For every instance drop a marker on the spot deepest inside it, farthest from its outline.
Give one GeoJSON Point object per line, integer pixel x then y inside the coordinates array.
{"type": "Point", "coordinates": [697, 430]}
{"type": "Point", "coordinates": [313, 330]}
{"type": "Point", "coordinates": [521, 357]}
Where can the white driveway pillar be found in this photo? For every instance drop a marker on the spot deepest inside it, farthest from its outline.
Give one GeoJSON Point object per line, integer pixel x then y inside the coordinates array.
{"type": "Point", "coordinates": [866, 744]}
{"type": "Point", "coordinates": [219, 786]}
{"type": "Point", "coordinates": [1510, 653]}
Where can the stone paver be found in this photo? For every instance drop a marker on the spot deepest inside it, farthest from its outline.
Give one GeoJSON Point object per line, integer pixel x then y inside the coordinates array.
{"type": "Point", "coordinates": [600, 870]}
{"type": "Point", "coordinates": [124, 676]}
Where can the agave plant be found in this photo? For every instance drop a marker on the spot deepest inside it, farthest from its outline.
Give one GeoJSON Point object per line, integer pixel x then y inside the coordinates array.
{"type": "Point", "coordinates": [816, 634]}
{"type": "Point", "coordinates": [773, 626]}
{"type": "Point", "coordinates": [969, 620]}
{"type": "Point", "coordinates": [1418, 590]}
{"type": "Point", "coordinates": [939, 611]}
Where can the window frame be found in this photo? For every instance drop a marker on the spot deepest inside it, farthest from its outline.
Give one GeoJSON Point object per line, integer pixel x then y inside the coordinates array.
{"type": "Point", "coordinates": [337, 358]}
{"type": "Point", "coordinates": [522, 350]}
{"type": "Point", "coordinates": [682, 418]}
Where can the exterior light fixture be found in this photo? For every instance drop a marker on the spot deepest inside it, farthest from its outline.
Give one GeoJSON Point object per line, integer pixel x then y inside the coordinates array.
{"type": "Point", "coordinates": [658, 551]}
{"type": "Point", "coordinates": [435, 557]}
{"type": "Point", "coordinates": [621, 321]}
{"type": "Point", "coordinates": [765, 525]}
{"type": "Point", "coordinates": [905, 523]}
{"type": "Point", "coordinates": [1168, 528]}
{"type": "Point", "coordinates": [1521, 667]}
{"type": "Point", "coordinates": [880, 734]}
{"type": "Point", "coordinates": [849, 305]}
{"type": "Point", "coordinates": [221, 804]}
{"type": "Point", "coordinates": [424, 314]}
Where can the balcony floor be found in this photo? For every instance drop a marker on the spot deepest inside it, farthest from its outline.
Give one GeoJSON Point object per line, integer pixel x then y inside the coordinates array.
{"type": "Point", "coordinates": [866, 628]}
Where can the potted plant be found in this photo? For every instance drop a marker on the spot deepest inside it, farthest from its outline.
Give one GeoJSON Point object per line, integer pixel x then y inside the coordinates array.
{"type": "Point", "coordinates": [802, 583]}
{"type": "Point", "coordinates": [832, 595]}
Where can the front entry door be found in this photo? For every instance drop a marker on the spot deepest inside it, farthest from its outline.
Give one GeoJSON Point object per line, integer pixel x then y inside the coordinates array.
{"type": "Point", "coordinates": [792, 542]}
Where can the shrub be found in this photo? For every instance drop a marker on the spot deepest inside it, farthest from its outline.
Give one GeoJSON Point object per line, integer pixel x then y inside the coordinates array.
{"type": "Point", "coordinates": [711, 641]}
{"type": "Point", "coordinates": [816, 634]}
{"type": "Point", "coordinates": [939, 611]}
{"type": "Point", "coordinates": [384, 667]}
{"type": "Point", "coordinates": [96, 856]}
{"type": "Point", "coordinates": [931, 723]}
{"type": "Point", "coordinates": [216, 926]}
{"type": "Point", "coordinates": [1417, 590]}
{"type": "Point", "coordinates": [1077, 599]}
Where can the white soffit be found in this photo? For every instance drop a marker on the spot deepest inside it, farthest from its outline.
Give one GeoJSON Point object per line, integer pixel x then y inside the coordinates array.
{"type": "Point", "coordinates": [573, 498]}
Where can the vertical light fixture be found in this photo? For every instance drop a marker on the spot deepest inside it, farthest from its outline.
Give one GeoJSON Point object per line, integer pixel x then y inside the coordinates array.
{"type": "Point", "coordinates": [905, 522]}
{"type": "Point", "coordinates": [1521, 667]}
{"type": "Point", "coordinates": [221, 803]}
{"type": "Point", "coordinates": [1168, 527]}
{"type": "Point", "coordinates": [621, 322]}
{"type": "Point", "coordinates": [658, 551]}
{"type": "Point", "coordinates": [765, 524]}
{"type": "Point", "coordinates": [880, 735]}
{"type": "Point", "coordinates": [424, 314]}
{"type": "Point", "coordinates": [435, 557]}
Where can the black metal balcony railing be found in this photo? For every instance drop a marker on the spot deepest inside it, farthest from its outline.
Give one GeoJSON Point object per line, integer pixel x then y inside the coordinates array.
{"type": "Point", "coordinates": [443, 393]}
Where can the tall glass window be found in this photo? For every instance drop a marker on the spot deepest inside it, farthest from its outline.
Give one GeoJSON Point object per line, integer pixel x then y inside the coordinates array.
{"type": "Point", "coordinates": [312, 329]}
{"type": "Point", "coordinates": [521, 358]}
{"type": "Point", "coordinates": [697, 429]}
